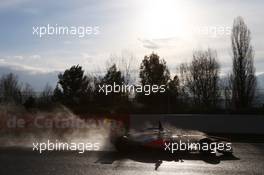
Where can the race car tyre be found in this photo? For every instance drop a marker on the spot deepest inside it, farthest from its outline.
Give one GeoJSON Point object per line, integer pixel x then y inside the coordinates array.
{"type": "Point", "coordinates": [206, 152]}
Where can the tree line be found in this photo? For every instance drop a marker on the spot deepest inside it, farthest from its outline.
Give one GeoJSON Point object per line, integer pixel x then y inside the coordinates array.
{"type": "Point", "coordinates": [195, 88]}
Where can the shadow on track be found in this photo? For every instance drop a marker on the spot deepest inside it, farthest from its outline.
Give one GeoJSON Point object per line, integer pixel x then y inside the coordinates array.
{"type": "Point", "coordinates": [158, 158]}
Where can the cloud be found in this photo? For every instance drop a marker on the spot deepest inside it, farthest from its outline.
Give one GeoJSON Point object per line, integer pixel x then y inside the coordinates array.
{"type": "Point", "coordinates": [32, 63]}
{"type": "Point", "coordinates": [49, 62]}
{"type": "Point", "coordinates": [155, 44]}
{"type": "Point", "coordinates": [35, 57]}
{"type": "Point", "coordinates": [149, 44]}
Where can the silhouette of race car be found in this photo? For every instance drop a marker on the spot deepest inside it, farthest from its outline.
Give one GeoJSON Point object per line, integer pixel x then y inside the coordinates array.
{"type": "Point", "coordinates": [164, 140]}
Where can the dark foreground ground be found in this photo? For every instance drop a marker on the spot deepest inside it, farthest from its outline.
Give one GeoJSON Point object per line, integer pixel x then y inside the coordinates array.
{"type": "Point", "coordinates": [248, 159]}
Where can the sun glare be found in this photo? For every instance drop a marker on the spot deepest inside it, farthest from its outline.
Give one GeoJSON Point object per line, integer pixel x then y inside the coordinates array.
{"type": "Point", "coordinates": [166, 18]}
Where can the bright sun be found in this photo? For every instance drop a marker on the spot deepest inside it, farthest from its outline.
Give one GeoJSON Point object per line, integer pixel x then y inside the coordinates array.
{"type": "Point", "coordinates": [166, 18]}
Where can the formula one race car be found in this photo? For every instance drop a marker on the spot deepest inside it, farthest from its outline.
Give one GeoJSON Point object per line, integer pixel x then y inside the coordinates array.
{"type": "Point", "coordinates": [160, 139]}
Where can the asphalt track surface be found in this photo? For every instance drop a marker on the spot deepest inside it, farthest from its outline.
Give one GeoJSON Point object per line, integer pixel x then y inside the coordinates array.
{"type": "Point", "coordinates": [248, 159]}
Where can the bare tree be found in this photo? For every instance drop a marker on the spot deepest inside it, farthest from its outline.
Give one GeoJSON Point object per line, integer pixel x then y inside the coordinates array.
{"type": "Point", "coordinates": [10, 89]}
{"type": "Point", "coordinates": [243, 77]}
{"type": "Point", "coordinates": [27, 92]}
{"type": "Point", "coordinates": [28, 96]}
{"type": "Point", "coordinates": [46, 95]}
{"type": "Point", "coordinates": [126, 63]}
{"type": "Point", "coordinates": [201, 77]}
{"type": "Point", "coordinates": [127, 67]}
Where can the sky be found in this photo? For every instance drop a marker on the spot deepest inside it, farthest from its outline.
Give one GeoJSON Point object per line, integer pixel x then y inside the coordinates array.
{"type": "Point", "coordinates": [171, 28]}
